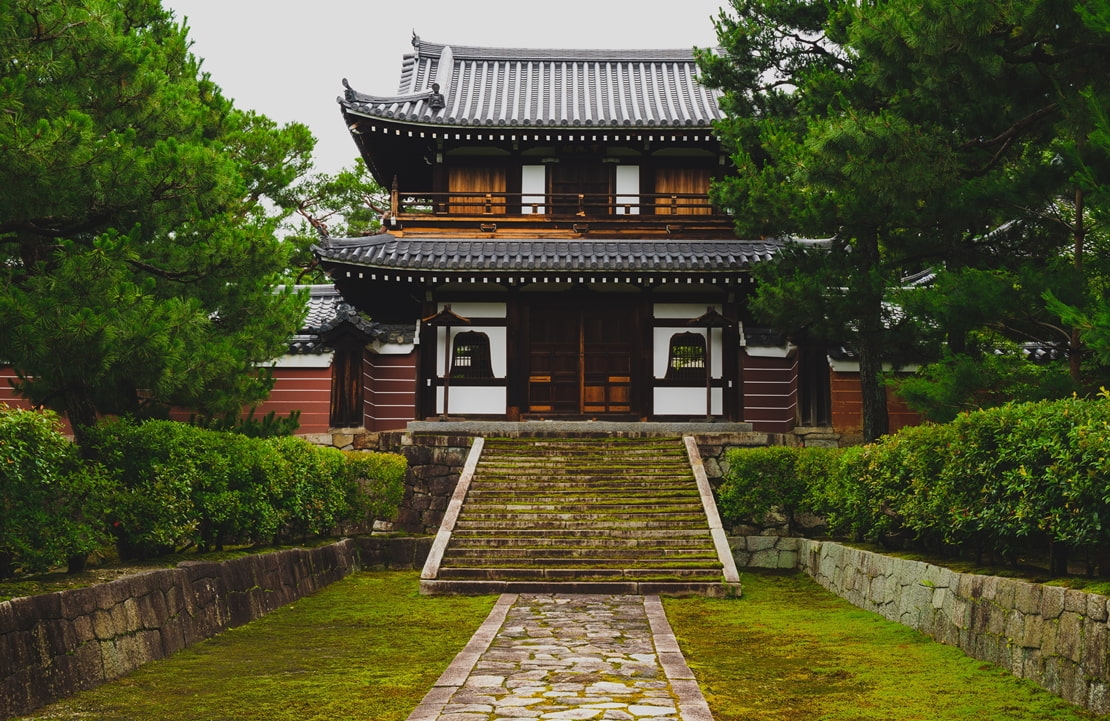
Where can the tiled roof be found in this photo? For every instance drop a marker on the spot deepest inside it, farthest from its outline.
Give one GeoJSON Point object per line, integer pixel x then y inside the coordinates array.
{"type": "Point", "coordinates": [544, 88]}
{"type": "Point", "coordinates": [388, 252]}
{"type": "Point", "coordinates": [327, 311]}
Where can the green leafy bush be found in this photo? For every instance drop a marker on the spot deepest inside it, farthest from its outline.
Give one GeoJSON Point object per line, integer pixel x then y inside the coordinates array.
{"type": "Point", "coordinates": [1019, 476]}
{"type": "Point", "coordinates": [312, 495]}
{"type": "Point", "coordinates": [155, 468]}
{"type": "Point", "coordinates": [759, 480]}
{"type": "Point", "coordinates": [49, 501]}
{"type": "Point", "coordinates": [376, 484]}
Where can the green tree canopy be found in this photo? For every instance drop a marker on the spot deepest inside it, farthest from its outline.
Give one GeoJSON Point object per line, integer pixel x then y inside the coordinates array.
{"type": "Point", "coordinates": [906, 132]}
{"type": "Point", "coordinates": [138, 254]}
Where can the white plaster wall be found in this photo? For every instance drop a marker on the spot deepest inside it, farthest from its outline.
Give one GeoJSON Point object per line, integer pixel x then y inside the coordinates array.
{"type": "Point", "coordinates": [468, 309]}
{"type": "Point", "coordinates": [533, 185]}
{"type": "Point", "coordinates": [684, 401]}
{"type": "Point", "coordinates": [473, 399]}
{"type": "Point", "coordinates": [628, 189]}
{"type": "Point", "coordinates": [304, 360]}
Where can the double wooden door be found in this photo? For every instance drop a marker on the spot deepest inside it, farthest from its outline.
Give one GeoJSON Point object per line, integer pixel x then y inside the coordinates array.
{"type": "Point", "coordinates": [580, 358]}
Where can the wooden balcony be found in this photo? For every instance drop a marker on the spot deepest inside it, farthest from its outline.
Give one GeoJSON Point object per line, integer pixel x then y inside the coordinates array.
{"type": "Point", "coordinates": [557, 215]}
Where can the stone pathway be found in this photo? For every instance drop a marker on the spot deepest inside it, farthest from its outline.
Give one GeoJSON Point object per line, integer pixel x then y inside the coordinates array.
{"type": "Point", "coordinates": [563, 656]}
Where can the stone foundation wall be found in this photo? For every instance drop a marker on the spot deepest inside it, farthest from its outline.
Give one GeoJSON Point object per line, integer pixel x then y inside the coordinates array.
{"type": "Point", "coordinates": [56, 644]}
{"type": "Point", "coordinates": [768, 552]}
{"type": "Point", "coordinates": [1056, 637]}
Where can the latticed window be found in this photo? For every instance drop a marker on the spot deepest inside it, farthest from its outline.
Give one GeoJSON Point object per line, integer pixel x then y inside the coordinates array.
{"type": "Point", "coordinates": [686, 360]}
{"type": "Point", "coordinates": [470, 358]}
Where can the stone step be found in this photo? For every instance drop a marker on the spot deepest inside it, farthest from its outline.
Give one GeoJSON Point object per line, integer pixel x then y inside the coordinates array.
{"type": "Point", "coordinates": [485, 541]}
{"type": "Point", "coordinates": [581, 513]}
{"type": "Point", "coordinates": [578, 554]}
{"type": "Point", "coordinates": [494, 522]}
{"type": "Point", "coordinates": [531, 573]}
{"type": "Point", "coordinates": [636, 491]}
{"type": "Point", "coordinates": [595, 506]}
{"type": "Point", "coordinates": [712, 589]}
{"type": "Point", "coordinates": [576, 523]}
{"type": "Point", "coordinates": [618, 481]}
{"type": "Point", "coordinates": [589, 533]}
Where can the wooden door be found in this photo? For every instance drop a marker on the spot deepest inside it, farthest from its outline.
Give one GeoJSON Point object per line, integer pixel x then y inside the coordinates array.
{"type": "Point", "coordinates": [593, 182]}
{"type": "Point", "coordinates": [580, 359]}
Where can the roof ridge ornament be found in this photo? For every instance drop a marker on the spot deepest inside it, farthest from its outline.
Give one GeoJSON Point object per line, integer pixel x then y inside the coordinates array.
{"type": "Point", "coordinates": [444, 71]}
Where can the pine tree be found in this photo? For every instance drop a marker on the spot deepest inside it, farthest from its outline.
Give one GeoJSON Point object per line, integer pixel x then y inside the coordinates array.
{"type": "Point", "coordinates": [138, 257]}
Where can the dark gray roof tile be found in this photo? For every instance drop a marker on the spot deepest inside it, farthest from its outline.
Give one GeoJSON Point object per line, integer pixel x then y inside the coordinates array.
{"type": "Point", "coordinates": [521, 88]}
{"type": "Point", "coordinates": [327, 311]}
{"type": "Point", "coordinates": [388, 252]}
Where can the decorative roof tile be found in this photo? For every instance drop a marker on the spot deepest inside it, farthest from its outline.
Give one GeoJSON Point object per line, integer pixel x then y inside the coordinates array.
{"type": "Point", "coordinates": [327, 312]}
{"type": "Point", "coordinates": [388, 252]}
{"type": "Point", "coordinates": [521, 88]}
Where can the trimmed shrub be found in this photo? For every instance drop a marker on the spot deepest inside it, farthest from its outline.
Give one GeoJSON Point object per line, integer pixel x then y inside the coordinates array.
{"type": "Point", "coordinates": [155, 468]}
{"type": "Point", "coordinates": [376, 484]}
{"type": "Point", "coordinates": [758, 481]}
{"type": "Point", "coordinates": [49, 501]}
{"type": "Point", "coordinates": [312, 495]}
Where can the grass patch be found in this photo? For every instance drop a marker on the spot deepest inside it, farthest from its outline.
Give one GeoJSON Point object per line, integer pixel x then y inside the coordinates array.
{"type": "Point", "coordinates": [787, 650]}
{"type": "Point", "coordinates": [366, 647]}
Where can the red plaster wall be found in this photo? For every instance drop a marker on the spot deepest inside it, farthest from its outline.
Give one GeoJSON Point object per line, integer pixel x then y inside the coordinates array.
{"type": "Point", "coordinates": [305, 389]}
{"type": "Point", "coordinates": [389, 399]}
{"type": "Point", "coordinates": [9, 397]}
{"type": "Point", "coordinates": [847, 405]}
{"type": "Point", "coordinates": [770, 393]}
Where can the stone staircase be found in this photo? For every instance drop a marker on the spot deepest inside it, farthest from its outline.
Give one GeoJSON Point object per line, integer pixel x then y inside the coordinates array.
{"type": "Point", "coordinates": [580, 515]}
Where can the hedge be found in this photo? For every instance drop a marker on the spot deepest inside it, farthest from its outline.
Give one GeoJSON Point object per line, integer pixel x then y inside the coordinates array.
{"type": "Point", "coordinates": [48, 498]}
{"type": "Point", "coordinates": [181, 485]}
{"type": "Point", "coordinates": [995, 481]}
{"type": "Point", "coordinates": [156, 487]}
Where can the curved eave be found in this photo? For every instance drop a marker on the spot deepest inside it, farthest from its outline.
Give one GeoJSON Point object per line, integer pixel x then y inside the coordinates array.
{"type": "Point", "coordinates": [442, 260]}
{"type": "Point", "coordinates": [416, 113]}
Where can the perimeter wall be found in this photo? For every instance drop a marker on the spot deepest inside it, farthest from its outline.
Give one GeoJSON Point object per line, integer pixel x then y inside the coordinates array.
{"type": "Point", "coordinates": [1055, 637]}
{"type": "Point", "coordinates": [55, 644]}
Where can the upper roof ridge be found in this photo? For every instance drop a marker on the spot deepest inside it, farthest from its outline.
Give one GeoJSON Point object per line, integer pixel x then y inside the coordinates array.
{"type": "Point", "coordinates": [426, 49]}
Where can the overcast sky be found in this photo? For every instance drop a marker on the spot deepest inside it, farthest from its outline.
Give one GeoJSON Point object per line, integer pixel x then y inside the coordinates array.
{"type": "Point", "coordinates": [287, 58]}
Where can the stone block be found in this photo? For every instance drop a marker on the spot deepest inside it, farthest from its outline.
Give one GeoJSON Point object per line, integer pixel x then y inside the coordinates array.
{"type": "Point", "coordinates": [1033, 633]}
{"type": "Point", "coordinates": [1093, 653]}
{"type": "Point", "coordinates": [21, 614]}
{"type": "Point", "coordinates": [761, 543]}
{"type": "Point", "coordinates": [1015, 626]}
{"type": "Point", "coordinates": [1052, 601]}
{"type": "Point", "coordinates": [1096, 607]}
{"type": "Point", "coordinates": [78, 602]}
{"type": "Point", "coordinates": [1068, 640]}
{"type": "Point", "coordinates": [1005, 593]}
{"type": "Point", "coordinates": [1098, 696]}
{"type": "Point", "coordinates": [1027, 597]}
{"type": "Point", "coordinates": [1075, 600]}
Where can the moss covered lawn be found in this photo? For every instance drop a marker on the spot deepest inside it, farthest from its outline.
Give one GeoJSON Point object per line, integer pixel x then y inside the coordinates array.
{"type": "Point", "coordinates": [367, 647]}
{"type": "Point", "coordinates": [787, 650]}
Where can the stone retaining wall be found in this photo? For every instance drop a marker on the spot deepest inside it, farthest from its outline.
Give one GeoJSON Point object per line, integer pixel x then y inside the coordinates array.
{"type": "Point", "coordinates": [56, 644]}
{"type": "Point", "coordinates": [1058, 638]}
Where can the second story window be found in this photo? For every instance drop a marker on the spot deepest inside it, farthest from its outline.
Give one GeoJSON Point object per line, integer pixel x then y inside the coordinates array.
{"type": "Point", "coordinates": [470, 358]}
{"type": "Point", "coordinates": [686, 359]}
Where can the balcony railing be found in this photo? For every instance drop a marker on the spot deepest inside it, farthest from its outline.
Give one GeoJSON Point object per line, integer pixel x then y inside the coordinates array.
{"type": "Point", "coordinates": [554, 205]}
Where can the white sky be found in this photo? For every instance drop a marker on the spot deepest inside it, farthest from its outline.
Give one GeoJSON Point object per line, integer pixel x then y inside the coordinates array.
{"type": "Point", "coordinates": [286, 58]}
